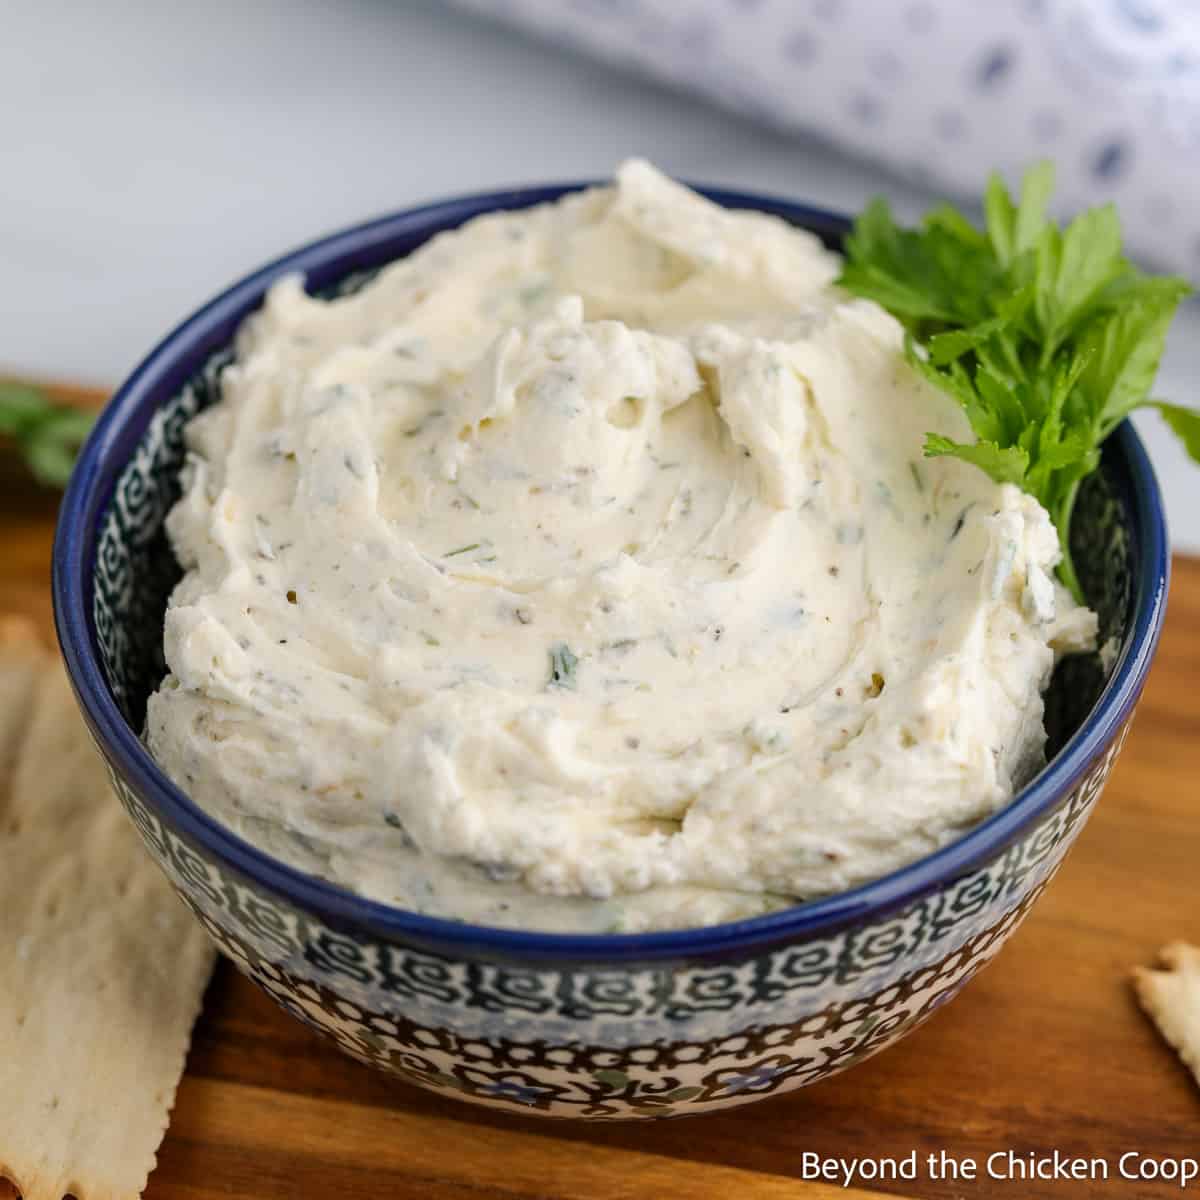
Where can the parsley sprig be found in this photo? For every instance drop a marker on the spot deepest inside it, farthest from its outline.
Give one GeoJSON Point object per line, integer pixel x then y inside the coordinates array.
{"type": "Point", "coordinates": [47, 435]}
{"type": "Point", "coordinates": [1047, 337]}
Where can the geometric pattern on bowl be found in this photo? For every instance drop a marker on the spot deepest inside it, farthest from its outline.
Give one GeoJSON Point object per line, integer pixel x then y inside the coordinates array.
{"type": "Point", "coordinates": [630, 1042]}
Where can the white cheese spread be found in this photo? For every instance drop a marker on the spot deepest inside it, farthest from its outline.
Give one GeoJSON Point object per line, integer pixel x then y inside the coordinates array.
{"type": "Point", "coordinates": [583, 571]}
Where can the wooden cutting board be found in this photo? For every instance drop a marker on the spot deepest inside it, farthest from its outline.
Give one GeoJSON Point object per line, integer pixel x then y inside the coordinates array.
{"type": "Point", "coordinates": [1045, 1051]}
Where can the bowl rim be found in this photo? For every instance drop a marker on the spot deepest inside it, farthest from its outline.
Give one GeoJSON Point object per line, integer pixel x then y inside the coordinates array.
{"type": "Point", "coordinates": [176, 358]}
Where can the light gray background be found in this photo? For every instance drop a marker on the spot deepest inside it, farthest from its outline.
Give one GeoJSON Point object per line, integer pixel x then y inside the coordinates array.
{"type": "Point", "coordinates": [150, 153]}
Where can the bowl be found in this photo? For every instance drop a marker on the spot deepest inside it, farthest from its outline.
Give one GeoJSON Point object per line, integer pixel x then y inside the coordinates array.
{"type": "Point", "coordinates": [595, 1026]}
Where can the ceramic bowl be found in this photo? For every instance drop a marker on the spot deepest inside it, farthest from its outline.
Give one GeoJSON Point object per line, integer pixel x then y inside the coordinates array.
{"type": "Point", "coordinates": [592, 1026]}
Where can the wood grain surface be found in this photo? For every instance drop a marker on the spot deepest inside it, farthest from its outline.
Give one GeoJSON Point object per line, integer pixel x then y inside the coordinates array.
{"type": "Point", "coordinates": [1045, 1051]}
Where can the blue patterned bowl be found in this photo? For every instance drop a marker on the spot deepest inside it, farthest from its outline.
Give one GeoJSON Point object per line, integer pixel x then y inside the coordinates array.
{"type": "Point", "coordinates": [594, 1026]}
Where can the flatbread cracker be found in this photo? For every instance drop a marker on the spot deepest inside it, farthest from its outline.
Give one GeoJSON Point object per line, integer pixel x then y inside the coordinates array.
{"type": "Point", "coordinates": [22, 661]}
{"type": "Point", "coordinates": [102, 967]}
{"type": "Point", "coordinates": [1171, 997]}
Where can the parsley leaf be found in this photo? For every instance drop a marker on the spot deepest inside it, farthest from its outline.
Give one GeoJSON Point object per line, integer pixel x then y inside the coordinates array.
{"type": "Point", "coordinates": [1186, 424]}
{"type": "Point", "coordinates": [1005, 464]}
{"type": "Point", "coordinates": [1048, 338]}
{"type": "Point", "coordinates": [47, 435]}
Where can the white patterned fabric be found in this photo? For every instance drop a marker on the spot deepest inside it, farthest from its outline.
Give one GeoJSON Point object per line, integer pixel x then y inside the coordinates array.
{"type": "Point", "coordinates": [943, 90]}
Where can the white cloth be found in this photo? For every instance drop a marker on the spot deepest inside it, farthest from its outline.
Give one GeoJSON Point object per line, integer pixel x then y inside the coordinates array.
{"type": "Point", "coordinates": [943, 90]}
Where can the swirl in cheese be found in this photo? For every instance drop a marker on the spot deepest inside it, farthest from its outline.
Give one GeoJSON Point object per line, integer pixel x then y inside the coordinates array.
{"type": "Point", "coordinates": [583, 571]}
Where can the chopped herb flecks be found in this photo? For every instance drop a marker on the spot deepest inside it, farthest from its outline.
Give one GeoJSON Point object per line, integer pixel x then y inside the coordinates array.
{"type": "Point", "coordinates": [562, 667]}
{"type": "Point", "coordinates": [423, 424]}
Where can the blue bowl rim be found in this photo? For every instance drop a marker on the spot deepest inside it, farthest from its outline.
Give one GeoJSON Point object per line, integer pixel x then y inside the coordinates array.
{"type": "Point", "coordinates": [173, 361]}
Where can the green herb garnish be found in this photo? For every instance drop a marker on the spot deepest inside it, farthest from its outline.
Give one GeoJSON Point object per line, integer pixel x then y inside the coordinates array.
{"type": "Point", "coordinates": [47, 435]}
{"type": "Point", "coordinates": [1047, 337]}
{"type": "Point", "coordinates": [562, 666]}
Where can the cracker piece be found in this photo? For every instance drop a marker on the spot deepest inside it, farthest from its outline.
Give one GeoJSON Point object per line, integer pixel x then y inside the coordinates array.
{"type": "Point", "coordinates": [1171, 998]}
{"type": "Point", "coordinates": [102, 969]}
{"type": "Point", "coordinates": [22, 660]}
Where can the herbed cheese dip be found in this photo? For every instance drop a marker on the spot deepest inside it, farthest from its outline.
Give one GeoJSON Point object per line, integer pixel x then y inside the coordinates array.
{"type": "Point", "coordinates": [583, 571]}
